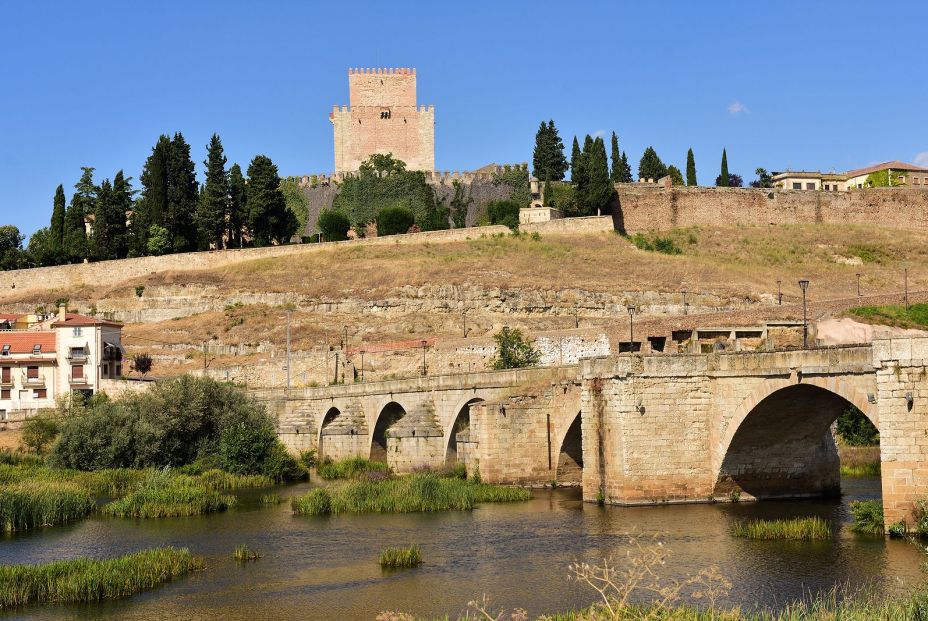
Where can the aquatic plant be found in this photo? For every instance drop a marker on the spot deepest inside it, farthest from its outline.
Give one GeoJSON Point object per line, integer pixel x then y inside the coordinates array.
{"type": "Point", "coordinates": [410, 493]}
{"type": "Point", "coordinates": [804, 528]}
{"type": "Point", "coordinates": [271, 499]}
{"type": "Point", "coordinates": [871, 469]}
{"type": "Point", "coordinates": [219, 480]}
{"type": "Point", "coordinates": [398, 558]}
{"type": "Point", "coordinates": [91, 580]}
{"type": "Point", "coordinates": [868, 516]}
{"type": "Point", "coordinates": [26, 505]}
{"type": "Point", "coordinates": [350, 468]}
{"type": "Point", "coordinates": [243, 553]}
{"type": "Point", "coordinates": [166, 496]}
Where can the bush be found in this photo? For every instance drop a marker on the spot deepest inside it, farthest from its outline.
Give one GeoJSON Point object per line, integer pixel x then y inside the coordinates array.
{"type": "Point", "coordinates": [513, 351]}
{"type": "Point", "coordinates": [868, 516]}
{"type": "Point", "coordinates": [394, 220]}
{"type": "Point", "coordinates": [664, 245]}
{"type": "Point", "coordinates": [334, 225]}
{"type": "Point", "coordinates": [308, 458]}
{"type": "Point", "coordinates": [856, 429]}
{"type": "Point", "coordinates": [505, 212]}
{"type": "Point", "coordinates": [281, 466]}
{"type": "Point", "coordinates": [243, 448]}
{"type": "Point", "coordinates": [40, 431]}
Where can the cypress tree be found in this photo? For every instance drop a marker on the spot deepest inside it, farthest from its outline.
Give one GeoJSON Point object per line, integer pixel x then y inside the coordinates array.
{"type": "Point", "coordinates": [268, 217]}
{"type": "Point", "coordinates": [74, 246]}
{"type": "Point", "coordinates": [548, 161]}
{"type": "Point", "coordinates": [582, 180]}
{"type": "Point", "coordinates": [101, 240]}
{"type": "Point", "coordinates": [574, 161]}
{"type": "Point", "coordinates": [651, 166]}
{"type": "Point", "coordinates": [546, 194]}
{"type": "Point", "coordinates": [153, 203]}
{"type": "Point", "coordinates": [237, 214]}
{"type": "Point", "coordinates": [121, 208]}
{"type": "Point", "coordinates": [539, 155]}
{"type": "Point", "coordinates": [723, 176]}
{"type": "Point", "coordinates": [690, 168]}
{"type": "Point", "coordinates": [57, 223]}
{"type": "Point", "coordinates": [625, 170]}
{"type": "Point", "coordinates": [182, 196]}
{"type": "Point", "coordinates": [615, 174]}
{"type": "Point", "coordinates": [599, 189]}
{"type": "Point", "coordinates": [214, 202]}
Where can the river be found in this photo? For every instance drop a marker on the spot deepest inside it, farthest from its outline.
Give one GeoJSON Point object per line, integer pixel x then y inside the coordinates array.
{"type": "Point", "coordinates": [517, 554]}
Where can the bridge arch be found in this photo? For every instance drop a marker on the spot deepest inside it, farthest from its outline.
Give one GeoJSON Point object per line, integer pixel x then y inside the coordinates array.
{"type": "Point", "coordinates": [778, 441]}
{"type": "Point", "coordinates": [460, 423]}
{"type": "Point", "coordinates": [569, 465]}
{"type": "Point", "coordinates": [328, 418]}
{"type": "Point", "coordinates": [388, 416]}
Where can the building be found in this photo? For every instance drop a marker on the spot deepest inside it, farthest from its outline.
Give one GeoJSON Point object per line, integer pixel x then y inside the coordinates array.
{"type": "Point", "coordinates": [900, 173]}
{"type": "Point", "coordinates": [383, 117]}
{"type": "Point", "coordinates": [64, 353]}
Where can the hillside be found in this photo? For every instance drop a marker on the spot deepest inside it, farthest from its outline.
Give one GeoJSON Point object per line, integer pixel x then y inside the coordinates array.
{"type": "Point", "coordinates": [406, 293]}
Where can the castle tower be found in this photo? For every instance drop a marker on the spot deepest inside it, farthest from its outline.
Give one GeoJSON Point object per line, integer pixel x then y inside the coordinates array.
{"type": "Point", "coordinates": [383, 117]}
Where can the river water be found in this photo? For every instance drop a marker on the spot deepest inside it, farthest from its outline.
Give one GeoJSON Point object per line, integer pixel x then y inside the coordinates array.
{"type": "Point", "coordinates": [517, 554]}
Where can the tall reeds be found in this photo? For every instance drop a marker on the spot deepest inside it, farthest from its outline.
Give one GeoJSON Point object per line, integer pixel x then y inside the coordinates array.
{"type": "Point", "coordinates": [165, 496]}
{"type": "Point", "coordinates": [805, 529]}
{"type": "Point", "coordinates": [91, 580]}
{"type": "Point", "coordinates": [400, 558]}
{"type": "Point", "coordinates": [25, 505]}
{"type": "Point", "coordinates": [350, 468]}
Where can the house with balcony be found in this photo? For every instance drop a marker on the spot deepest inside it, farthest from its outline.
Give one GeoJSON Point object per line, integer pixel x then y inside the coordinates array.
{"type": "Point", "coordinates": [65, 353]}
{"type": "Point", "coordinates": [896, 174]}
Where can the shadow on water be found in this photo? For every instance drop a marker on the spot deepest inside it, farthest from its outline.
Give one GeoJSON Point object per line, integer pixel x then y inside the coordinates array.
{"type": "Point", "coordinates": [327, 568]}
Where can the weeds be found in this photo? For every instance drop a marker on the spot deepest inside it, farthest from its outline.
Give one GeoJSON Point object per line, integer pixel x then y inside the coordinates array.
{"type": "Point", "coordinates": [350, 468]}
{"type": "Point", "coordinates": [804, 529]}
{"type": "Point", "coordinates": [165, 496]}
{"type": "Point", "coordinates": [400, 558]}
{"type": "Point", "coordinates": [868, 516]}
{"type": "Point", "coordinates": [27, 505]}
{"type": "Point", "coordinates": [871, 469]}
{"type": "Point", "coordinates": [243, 554]}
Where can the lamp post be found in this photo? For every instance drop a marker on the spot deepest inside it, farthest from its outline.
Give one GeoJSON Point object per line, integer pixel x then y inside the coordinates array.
{"type": "Point", "coordinates": [345, 342]}
{"type": "Point", "coordinates": [424, 345]}
{"type": "Point", "coordinates": [631, 328]}
{"type": "Point", "coordinates": [362, 366]}
{"type": "Point", "coordinates": [464, 319]}
{"type": "Point", "coordinates": [804, 284]}
{"type": "Point", "coordinates": [779, 294]}
{"type": "Point", "coordinates": [858, 288]}
{"type": "Point", "coordinates": [907, 288]}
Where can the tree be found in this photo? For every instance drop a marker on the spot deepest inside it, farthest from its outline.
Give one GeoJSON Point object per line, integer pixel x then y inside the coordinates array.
{"type": "Point", "coordinates": [615, 174]}
{"type": "Point", "coordinates": [182, 196]}
{"type": "Point", "coordinates": [676, 177]}
{"type": "Point", "coordinates": [214, 202]}
{"type": "Point", "coordinates": [101, 241]}
{"type": "Point", "coordinates": [883, 179]}
{"type": "Point", "coordinates": [56, 232]}
{"type": "Point", "coordinates": [723, 179]}
{"type": "Point", "coordinates": [40, 431]}
{"type": "Point", "coordinates": [459, 204]}
{"type": "Point", "coordinates": [237, 214]}
{"type": "Point", "coordinates": [153, 203]}
{"type": "Point", "coordinates": [764, 180]}
{"type": "Point", "coordinates": [295, 200]}
{"type": "Point", "coordinates": [548, 161]}
{"type": "Point", "coordinates": [333, 225]}
{"type": "Point", "coordinates": [42, 250]}
{"type": "Point", "coordinates": [625, 171]}
{"type": "Point", "coordinates": [651, 166]}
{"type": "Point", "coordinates": [574, 161]}
{"type": "Point", "coordinates": [516, 178]}
{"type": "Point", "coordinates": [158, 241]}
{"type": "Point", "coordinates": [582, 178]}
{"type": "Point", "coordinates": [505, 212]}
{"type": "Point", "coordinates": [123, 204]}
{"type": "Point", "coordinates": [600, 190]}
{"type": "Point", "coordinates": [394, 220]}
{"type": "Point", "coordinates": [546, 194]}
{"type": "Point", "coordinates": [268, 218]}
{"type": "Point", "coordinates": [856, 429]}
{"type": "Point", "coordinates": [75, 245]}
{"type": "Point", "coordinates": [11, 248]}
{"type": "Point", "coordinates": [513, 351]}
{"type": "Point", "coordinates": [734, 181]}
{"type": "Point", "coordinates": [690, 169]}
{"type": "Point", "coordinates": [141, 363]}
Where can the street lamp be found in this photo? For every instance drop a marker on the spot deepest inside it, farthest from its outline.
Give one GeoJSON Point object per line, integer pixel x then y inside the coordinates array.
{"type": "Point", "coordinates": [858, 287]}
{"type": "Point", "coordinates": [424, 345]}
{"type": "Point", "coordinates": [362, 365]}
{"type": "Point", "coordinates": [804, 284]}
{"type": "Point", "coordinates": [779, 294]}
{"type": "Point", "coordinates": [907, 288]}
{"type": "Point", "coordinates": [631, 328]}
{"type": "Point", "coordinates": [464, 318]}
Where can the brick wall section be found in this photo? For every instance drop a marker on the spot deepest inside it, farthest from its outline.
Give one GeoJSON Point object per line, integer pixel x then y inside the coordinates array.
{"type": "Point", "coordinates": [650, 208]}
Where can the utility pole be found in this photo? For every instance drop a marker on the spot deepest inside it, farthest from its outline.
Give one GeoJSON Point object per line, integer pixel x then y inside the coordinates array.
{"type": "Point", "coordinates": [576, 316]}
{"type": "Point", "coordinates": [362, 366]}
{"type": "Point", "coordinates": [804, 284]}
{"type": "Point", "coordinates": [906, 288]}
{"type": "Point", "coordinates": [464, 318]}
{"type": "Point", "coordinates": [858, 288]}
{"type": "Point", "coordinates": [779, 294]}
{"type": "Point", "coordinates": [424, 368]}
{"type": "Point", "coordinates": [336, 367]}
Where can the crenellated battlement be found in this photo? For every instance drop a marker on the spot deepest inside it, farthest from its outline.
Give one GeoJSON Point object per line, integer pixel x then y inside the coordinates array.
{"type": "Point", "coordinates": [382, 71]}
{"type": "Point", "coordinates": [420, 109]}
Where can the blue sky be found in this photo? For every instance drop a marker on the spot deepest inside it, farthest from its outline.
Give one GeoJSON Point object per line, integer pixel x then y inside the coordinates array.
{"type": "Point", "coordinates": [811, 85]}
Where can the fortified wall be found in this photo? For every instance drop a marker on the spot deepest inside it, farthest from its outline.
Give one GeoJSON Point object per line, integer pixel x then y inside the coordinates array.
{"type": "Point", "coordinates": [649, 207]}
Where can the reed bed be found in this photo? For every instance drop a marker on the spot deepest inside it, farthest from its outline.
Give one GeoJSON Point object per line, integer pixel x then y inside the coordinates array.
{"type": "Point", "coordinates": [871, 469]}
{"type": "Point", "coordinates": [91, 580]}
{"type": "Point", "coordinates": [400, 558]}
{"type": "Point", "coordinates": [802, 529]}
{"type": "Point", "coordinates": [272, 499]}
{"type": "Point", "coordinates": [868, 517]}
{"type": "Point", "coordinates": [222, 480]}
{"type": "Point", "coordinates": [25, 505]}
{"type": "Point", "coordinates": [406, 494]}
{"type": "Point", "coordinates": [243, 554]}
{"type": "Point", "coordinates": [350, 468]}
{"type": "Point", "coordinates": [168, 497]}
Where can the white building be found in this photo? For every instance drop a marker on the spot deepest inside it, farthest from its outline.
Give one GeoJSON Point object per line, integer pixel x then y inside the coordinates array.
{"type": "Point", "coordinates": [901, 174]}
{"type": "Point", "coordinates": [65, 353]}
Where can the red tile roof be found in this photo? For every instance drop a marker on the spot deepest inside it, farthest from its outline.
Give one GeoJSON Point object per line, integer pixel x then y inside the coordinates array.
{"type": "Point", "coordinates": [23, 342]}
{"type": "Point", "coordinates": [9, 316]}
{"type": "Point", "coordinates": [73, 319]}
{"type": "Point", "coordinates": [895, 165]}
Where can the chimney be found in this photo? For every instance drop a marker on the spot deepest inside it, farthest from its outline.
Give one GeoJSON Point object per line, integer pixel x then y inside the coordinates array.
{"type": "Point", "coordinates": [62, 312]}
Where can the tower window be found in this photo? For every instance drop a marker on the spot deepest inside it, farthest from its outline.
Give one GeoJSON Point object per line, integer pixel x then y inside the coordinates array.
{"type": "Point", "coordinates": [385, 114]}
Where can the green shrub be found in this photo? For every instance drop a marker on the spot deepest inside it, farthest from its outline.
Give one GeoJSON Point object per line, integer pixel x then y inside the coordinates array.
{"type": "Point", "coordinates": [166, 496]}
{"type": "Point", "coordinates": [505, 212]}
{"type": "Point", "coordinates": [349, 468]}
{"type": "Point", "coordinates": [898, 530]}
{"type": "Point", "coordinates": [309, 458]}
{"type": "Point", "coordinates": [91, 580]}
{"type": "Point", "coordinates": [514, 351]}
{"type": "Point", "coordinates": [315, 502]}
{"type": "Point", "coordinates": [243, 448]}
{"type": "Point", "coordinates": [855, 429]}
{"type": "Point", "coordinates": [664, 245]}
{"type": "Point", "coordinates": [871, 469]}
{"type": "Point", "coordinates": [333, 224]}
{"type": "Point", "coordinates": [31, 504]}
{"type": "Point", "coordinates": [394, 220]}
{"type": "Point", "coordinates": [868, 516]}
{"type": "Point", "coordinates": [40, 431]}
{"type": "Point", "coordinates": [400, 558]}
{"type": "Point", "coordinates": [805, 529]}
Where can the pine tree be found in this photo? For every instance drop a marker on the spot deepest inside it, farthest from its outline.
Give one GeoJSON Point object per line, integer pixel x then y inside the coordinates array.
{"type": "Point", "coordinates": [651, 166]}
{"type": "Point", "coordinates": [723, 176]}
{"type": "Point", "coordinates": [625, 170]}
{"type": "Point", "coordinates": [548, 159]}
{"type": "Point", "coordinates": [676, 177]}
{"type": "Point", "coordinates": [56, 228]}
{"type": "Point", "coordinates": [615, 175]}
{"type": "Point", "coordinates": [182, 196]}
{"type": "Point", "coordinates": [153, 203]}
{"type": "Point", "coordinates": [268, 217]}
{"type": "Point", "coordinates": [214, 202]}
{"type": "Point", "coordinates": [237, 214]}
{"type": "Point", "coordinates": [574, 161]}
{"type": "Point", "coordinates": [690, 169]}
{"type": "Point", "coordinates": [599, 190]}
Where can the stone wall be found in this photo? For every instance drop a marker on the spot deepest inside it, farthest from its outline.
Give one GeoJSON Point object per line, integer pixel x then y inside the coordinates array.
{"type": "Point", "coordinates": [650, 208]}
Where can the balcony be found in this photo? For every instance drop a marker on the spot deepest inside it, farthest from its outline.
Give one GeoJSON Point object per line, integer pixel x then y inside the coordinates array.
{"type": "Point", "coordinates": [6, 382]}
{"type": "Point", "coordinates": [78, 381]}
{"type": "Point", "coordinates": [77, 356]}
{"type": "Point", "coordinates": [33, 382]}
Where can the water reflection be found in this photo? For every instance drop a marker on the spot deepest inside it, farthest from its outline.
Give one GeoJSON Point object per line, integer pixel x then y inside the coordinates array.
{"type": "Point", "coordinates": [326, 568]}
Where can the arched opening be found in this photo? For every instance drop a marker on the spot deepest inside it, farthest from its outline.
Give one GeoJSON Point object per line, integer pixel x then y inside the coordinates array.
{"type": "Point", "coordinates": [785, 447]}
{"type": "Point", "coordinates": [570, 458]}
{"type": "Point", "coordinates": [459, 432]}
{"type": "Point", "coordinates": [327, 421]}
{"type": "Point", "coordinates": [391, 413]}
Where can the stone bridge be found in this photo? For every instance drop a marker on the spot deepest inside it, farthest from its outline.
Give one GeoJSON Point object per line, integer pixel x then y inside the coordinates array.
{"type": "Point", "coordinates": [642, 429]}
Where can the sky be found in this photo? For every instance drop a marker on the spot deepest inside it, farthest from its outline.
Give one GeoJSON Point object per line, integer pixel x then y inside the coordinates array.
{"type": "Point", "coordinates": [780, 85]}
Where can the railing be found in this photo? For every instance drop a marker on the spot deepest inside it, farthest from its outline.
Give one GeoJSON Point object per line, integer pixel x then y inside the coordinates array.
{"type": "Point", "coordinates": [33, 382]}
{"type": "Point", "coordinates": [77, 380]}
{"type": "Point", "coordinates": [6, 382]}
{"type": "Point", "coordinates": [77, 357]}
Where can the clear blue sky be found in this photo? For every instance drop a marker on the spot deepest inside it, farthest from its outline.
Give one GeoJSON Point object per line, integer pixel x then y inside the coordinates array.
{"type": "Point", "coordinates": [812, 85]}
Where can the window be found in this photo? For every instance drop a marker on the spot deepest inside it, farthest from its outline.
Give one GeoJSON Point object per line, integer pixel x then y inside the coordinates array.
{"type": "Point", "coordinates": [916, 181]}
{"type": "Point", "coordinates": [36, 349]}
{"type": "Point", "coordinates": [106, 369]}
{"type": "Point", "coordinates": [77, 371]}
{"type": "Point", "coordinates": [5, 351]}
{"type": "Point", "coordinates": [32, 372]}
{"type": "Point", "coordinates": [5, 393]}
{"type": "Point", "coordinates": [810, 186]}
{"type": "Point", "coordinates": [797, 186]}
{"type": "Point", "coordinates": [827, 187]}
{"type": "Point", "coordinates": [39, 393]}
{"type": "Point", "coordinates": [118, 370]}
{"type": "Point", "coordinates": [76, 332]}
{"type": "Point", "coordinates": [5, 375]}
